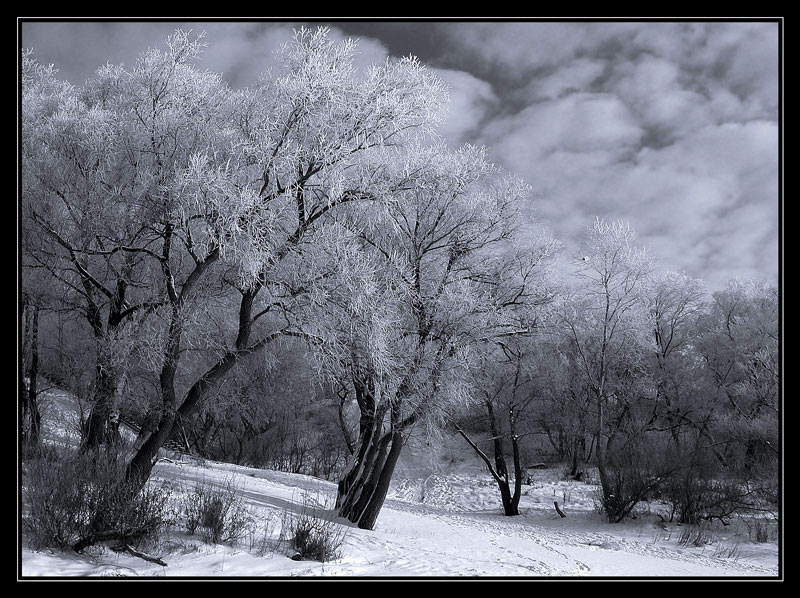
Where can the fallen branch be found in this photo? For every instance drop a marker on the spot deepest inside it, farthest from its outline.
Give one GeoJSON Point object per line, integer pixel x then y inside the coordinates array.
{"type": "Point", "coordinates": [559, 511]}
{"type": "Point", "coordinates": [136, 553]}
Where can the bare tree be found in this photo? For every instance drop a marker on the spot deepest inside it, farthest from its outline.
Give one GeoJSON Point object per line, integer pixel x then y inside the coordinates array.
{"type": "Point", "coordinates": [508, 375]}
{"type": "Point", "coordinates": [607, 328]}
{"type": "Point", "coordinates": [506, 396]}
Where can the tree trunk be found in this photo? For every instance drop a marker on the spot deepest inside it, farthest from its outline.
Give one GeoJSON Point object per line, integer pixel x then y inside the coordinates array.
{"type": "Point", "coordinates": [102, 423]}
{"type": "Point", "coordinates": [362, 491]}
{"type": "Point", "coordinates": [517, 473]}
{"type": "Point", "coordinates": [361, 474]}
{"type": "Point", "coordinates": [573, 472]}
{"type": "Point", "coordinates": [373, 507]}
{"type": "Point", "coordinates": [32, 418]}
{"type": "Point", "coordinates": [509, 508]}
{"type": "Point", "coordinates": [98, 425]}
{"type": "Point", "coordinates": [362, 495]}
{"type": "Point", "coordinates": [141, 465]}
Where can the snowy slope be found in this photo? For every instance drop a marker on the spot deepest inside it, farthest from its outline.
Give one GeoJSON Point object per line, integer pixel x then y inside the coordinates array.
{"type": "Point", "coordinates": [435, 524]}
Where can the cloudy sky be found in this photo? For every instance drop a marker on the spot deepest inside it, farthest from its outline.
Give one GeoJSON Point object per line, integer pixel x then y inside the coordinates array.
{"type": "Point", "coordinates": [670, 125]}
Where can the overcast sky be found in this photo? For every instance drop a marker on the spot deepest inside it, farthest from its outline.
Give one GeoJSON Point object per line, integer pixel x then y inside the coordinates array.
{"type": "Point", "coordinates": [671, 126]}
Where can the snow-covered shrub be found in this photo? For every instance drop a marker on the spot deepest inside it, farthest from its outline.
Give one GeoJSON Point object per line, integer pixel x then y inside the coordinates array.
{"type": "Point", "coordinates": [217, 513]}
{"type": "Point", "coordinates": [262, 539]}
{"type": "Point", "coordinates": [75, 500]}
{"type": "Point", "coordinates": [694, 497]}
{"type": "Point", "coordinates": [313, 534]}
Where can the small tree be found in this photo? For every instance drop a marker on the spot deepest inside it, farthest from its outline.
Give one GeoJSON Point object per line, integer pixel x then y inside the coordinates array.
{"type": "Point", "coordinates": [505, 400]}
{"type": "Point", "coordinates": [607, 330]}
{"type": "Point", "coordinates": [507, 375]}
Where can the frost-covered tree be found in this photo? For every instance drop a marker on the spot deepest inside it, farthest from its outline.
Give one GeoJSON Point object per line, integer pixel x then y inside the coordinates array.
{"type": "Point", "coordinates": [206, 200]}
{"type": "Point", "coordinates": [739, 343]}
{"type": "Point", "coordinates": [608, 331]}
{"type": "Point", "coordinates": [418, 280]}
{"type": "Point", "coordinates": [508, 377]}
{"type": "Point", "coordinates": [77, 216]}
{"type": "Point", "coordinates": [718, 398]}
{"type": "Point", "coordinates": [675, 302]}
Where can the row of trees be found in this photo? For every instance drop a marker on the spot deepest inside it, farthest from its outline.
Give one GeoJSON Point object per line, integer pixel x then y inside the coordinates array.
{"type": "Point", "coordinates": [205, 261]}
{"type": "Point", "coordinates": [642, 375]}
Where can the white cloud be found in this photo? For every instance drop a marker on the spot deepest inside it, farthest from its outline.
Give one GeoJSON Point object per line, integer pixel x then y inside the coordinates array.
{"type": "Point", "coordinates": [471, 99]}
{"type": "Point", "coordinates": [706, 204]}
{"type": "Point", "coordinates": [580, 122]}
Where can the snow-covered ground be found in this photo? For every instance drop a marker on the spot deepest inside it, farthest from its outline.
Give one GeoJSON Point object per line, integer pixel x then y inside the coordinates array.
{"type": "Point", "coordinates": [436, 523]}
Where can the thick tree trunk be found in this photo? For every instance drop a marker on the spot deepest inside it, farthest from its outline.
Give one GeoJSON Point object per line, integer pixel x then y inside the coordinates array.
{"type": "Point", "coordinates": [362, 473]}
{"type": "Point", "coordinates": [102, 425]}
{"type": "Point", "coordinates": [509, 508]}
{"type": "Point", "coordinates": [141, 465]}
{"type": "Point", "coordinates": [363, 490]}
{"type": "Point", "coordinates": [510, 499]}
{"type": "Point", "coordinates": [373, 507]}
{"type": "Point", "coordinates": [99, 425]}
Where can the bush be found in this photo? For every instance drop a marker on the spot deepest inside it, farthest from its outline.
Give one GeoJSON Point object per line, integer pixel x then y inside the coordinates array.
{"type": "Point", "coordinates": [218, 514]}
{"type": "Point", "coordinates": [314, 535]}
{"type": "Point", "coordinates": [695, 499]}
{"type": "Point", "coordinates": [696, 535]}
{"type": "Point", "coordinates": [75, 500]}
{"type": "Point", "coordinates": [625, 488]}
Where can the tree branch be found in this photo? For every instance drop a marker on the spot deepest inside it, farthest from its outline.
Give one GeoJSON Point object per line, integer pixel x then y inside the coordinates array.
{"type": "Point", "coordinates": [481, 454]}
{"type": "Point", "coordinates": [73, 258]}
